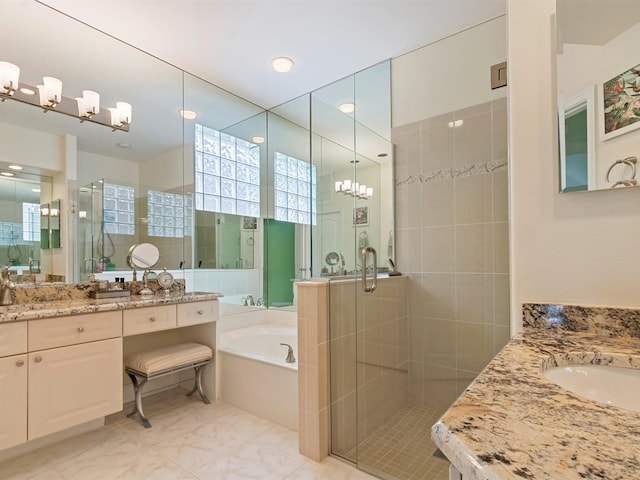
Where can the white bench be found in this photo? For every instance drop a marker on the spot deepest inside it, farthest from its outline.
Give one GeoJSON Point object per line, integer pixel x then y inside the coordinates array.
{"type": "Point", "coordinates": [150, 364]}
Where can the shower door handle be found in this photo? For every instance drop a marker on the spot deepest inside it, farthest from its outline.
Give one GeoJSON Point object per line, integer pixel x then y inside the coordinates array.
{"type": "Point", "coordinates": [374, 280]}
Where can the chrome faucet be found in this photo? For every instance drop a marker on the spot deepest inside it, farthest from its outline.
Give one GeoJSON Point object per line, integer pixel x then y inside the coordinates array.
{"type": "Point", "coordinates": [248, 301]}
{"type": "Point", "coordinates": [290, 357]}
{"type": "Point", "coordinates": [34, 266]}
{"type": "Point", "coordinates": [6, 287]}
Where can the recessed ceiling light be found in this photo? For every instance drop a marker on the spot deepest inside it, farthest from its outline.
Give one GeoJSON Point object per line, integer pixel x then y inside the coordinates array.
{"type": "Point", "coordinates": [187, 114]}
{"type": "Point", "coordinates": [35, 190]}
{"type": "Point", "coordinates": [282, 64]}
{"type": "Point", "coordinates": [6, 174]}
{"type": "Point", "coordinates": [257, 139]}
{"type": "Point", "coordinates": [15, 167]}
{"type": "Point", "coordinates": [27, 91]}
{"type": "Point", "coordinates": [457, 123]}
{"type": "Point", "coordinates": [347, 107]}
{"type": "Point", "coordinates": [124, 145]}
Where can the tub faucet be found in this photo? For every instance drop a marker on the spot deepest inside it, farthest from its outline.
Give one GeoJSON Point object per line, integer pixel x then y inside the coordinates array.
{"type": "Point", "coordinates": [290, 357]}
{"type": "Point", "coordinates": [248, 301]}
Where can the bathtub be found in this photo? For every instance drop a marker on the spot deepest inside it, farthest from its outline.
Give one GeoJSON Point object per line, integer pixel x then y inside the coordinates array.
{"type": "Point", "coordinates": [253, 374]}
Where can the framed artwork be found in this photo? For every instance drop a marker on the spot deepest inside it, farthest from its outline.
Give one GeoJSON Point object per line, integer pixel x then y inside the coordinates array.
{"type": "Point", "coordinates": [361, 216]}
{"type": "Point", "coordinates": [249, 223]}
{"type": "Point", "coordinates": [620, 103]}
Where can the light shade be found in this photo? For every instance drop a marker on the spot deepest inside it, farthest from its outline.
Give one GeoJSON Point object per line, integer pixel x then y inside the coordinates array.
{"type": "Point", "coordinates": [89, 104]}
{"type": "Point", "coordinates": [282, 64]}
{"type": "Point", "coordinates": [50, 92]}
{"type": "Point", "coordinates": [9, 77]}
{"type": "Point", "coordinates": [121, 115]}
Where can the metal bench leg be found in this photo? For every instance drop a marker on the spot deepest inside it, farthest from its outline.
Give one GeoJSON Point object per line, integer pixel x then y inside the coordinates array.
{"type": "Point", "coordinates": [137, 387]}
{"type": "Point", "coordinates": [198, 385]}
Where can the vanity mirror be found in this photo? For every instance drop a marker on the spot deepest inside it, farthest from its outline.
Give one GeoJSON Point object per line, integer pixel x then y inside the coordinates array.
{"type": "Point", "coordinates": [598, 74]}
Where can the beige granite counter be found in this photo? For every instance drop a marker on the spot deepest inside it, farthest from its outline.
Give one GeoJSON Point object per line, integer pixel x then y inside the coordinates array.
{"type": "Point", "coordinates": [77, 306]}
{"type": "Point", "coordinates": [514, 423]}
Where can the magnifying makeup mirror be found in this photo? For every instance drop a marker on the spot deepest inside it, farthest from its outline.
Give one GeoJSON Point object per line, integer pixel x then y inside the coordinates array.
{"type": "Point", "coordinates": [143, 256]}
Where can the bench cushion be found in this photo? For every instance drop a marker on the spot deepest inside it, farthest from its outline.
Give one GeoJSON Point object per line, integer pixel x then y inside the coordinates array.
{"type": "Point", "coordinates": [165, 358]}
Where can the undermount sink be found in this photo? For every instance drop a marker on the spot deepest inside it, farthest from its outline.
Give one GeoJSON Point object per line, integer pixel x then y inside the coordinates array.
{"type": "Point", "coordinates": [616, 386]}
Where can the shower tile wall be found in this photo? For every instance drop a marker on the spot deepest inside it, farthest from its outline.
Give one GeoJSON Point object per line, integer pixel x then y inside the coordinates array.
{"type": "Point", "coordinates": [452, 242]}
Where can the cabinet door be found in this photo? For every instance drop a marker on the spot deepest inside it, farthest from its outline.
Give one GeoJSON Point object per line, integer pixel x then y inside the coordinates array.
{"type": "Point", "coordinates": [72, 385]}
{"type": "Point", "coordinates": [193, 313]}
{"type": "Point", "coordinates": [13, 401]}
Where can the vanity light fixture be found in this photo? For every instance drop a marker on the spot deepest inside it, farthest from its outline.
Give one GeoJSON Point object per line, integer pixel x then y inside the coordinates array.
{"type": "Point", "coordinates": [9, 76]}
{"type": "Point", "coordinates": [455, 124]}
{"type": "Point", "coordinates": [347, 107]}
{"type": "Point", "coordinates": [50, 98]}
{"type": "Point", "coordinates": [82, 214]}
{"type": "Point", "coordinates": [6, 174]}
{"type": "Point", "coordinates": [282, 64]}
{"type": "Point", "coordinates": [187, 114]}
{"type": "Point", "coordinates": [44, 211]}
{"type": "Point", "coordinates": [54, 212]}
{"type": "Point", "coordinates": [354, 189]}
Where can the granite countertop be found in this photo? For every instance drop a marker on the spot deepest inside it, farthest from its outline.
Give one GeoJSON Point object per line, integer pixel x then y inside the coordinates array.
{"type": "Point", "coordinates": [514, 423]}
{"type": "Point", "coordinates": [77, 306]}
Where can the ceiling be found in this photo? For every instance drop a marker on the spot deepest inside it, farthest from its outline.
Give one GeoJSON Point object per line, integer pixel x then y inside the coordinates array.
{"type": "Point", "coordinates": [230, 43]}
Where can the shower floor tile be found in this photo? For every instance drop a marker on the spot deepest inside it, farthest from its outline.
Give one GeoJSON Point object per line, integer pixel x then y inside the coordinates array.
{"type": "Point", "coordinates": [402, 448]}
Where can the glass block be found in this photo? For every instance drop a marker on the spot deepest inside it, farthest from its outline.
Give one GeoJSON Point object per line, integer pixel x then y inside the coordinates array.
{"type": "Point", "coordinates": [242, 190]}
{"type": "Point", "coordinates": [292, 201]}
{"type": "Point", "coordinates": [302, 218]}
{"type": "Point", "coordinates": [211, 142]}
{"type": "Point", "coordinates": [292, 169]}
{"type": "Point", "coordinates": [303, 188]}
{"type": "Point", "coordinates": [151, 197]}
{"type": "Point", "coordinates": [110, 227]}
{"type": "Point", "coordinates": [188, 201]}
{"type": "Point", "coordinates": [150, 230]}
{"type": "Point", "coordinates": [304, 171]}
{"type": "Point", "coordinates": [242, 152]}
{"type": "Point", "coordinates": [125, 217]}
{"type": "Point", "coordinates": [254, 175]}
{"type": "Point", "coordinates": [281, 214]}
{"type": "Point", "coordinates": [169, 199]}
{"type": "Point", "coordinates": [242, 173]}
{"type": "Point", "coordinates": [227, 146]}
{"type": "Point", "coordinates": [227, 188]}
{"type": "Point", "coordinates": [211, 185]}
{"type": "Point", "coordinates": [199, 202]}
{"type": "Point", "coordinates": [168, 221]}
{"type": "Point", "coordinates": [198, 138]}
{"type": "Point", "coordinates": [211, 165]}
{"type": "Point", "coordinates": [211, 203]}
{"type": "Point", "coordinates": [125, 192]}
{"type": "Point", "coordinates": [255, 210]}
{"type": "Point", "coordinates": [292, 216]}
{"type": "Point", "coordinates": [313, 174]}
{"type": "Point", "coordinates": [109, 216]}
{"type": "Point", "coordinates": [178, 212]}
{"type": "Point", "coordinates": [254, 193]}
{"type": "Point", "coordinates": [227, 205]}
{"type": "Point", "coordinates": [281, 199]}
{"type": "Point", "coordinates": [199, 187]}
{"type": "Point", "coordinates": [109, 203]}
{"type": "Point", "coordinates": [292, 185]}
{"type": "Point", "coordinates": [158, 221]}
{"type": "Point", "coordinates": [243, 208]}
{"type": "Point", "coordinates": [314, 206]}
{"type": "Point", "coordinates": [169, 211]}
{"type": "Point", "coordinates": [168, 232]}
{"type": "Point", "coordinates": [228, 169]}
{"type": "Point", "coordinates": [281, 164]}
{"type": "Point", "coordinates": [303, 204]}
{"type": "Point", "coordinates": [280, 182]}
{"type": "Point", "coordinates": [179, 201]}
{"type": "Point", "coordinates": [158, 231]}
{"type": "Point", "coordinates": [179, 222]}
{"type": "Point", "coordinates": [314, 191]}
{"type": "Point", "coordinates": [151, 220]}
{"type": "Point", "coordinates": [128, 229]}
{"type": "Point", "coordinates": [187, 223]}
{"type": "Point", "coordinates": [125, 205]}
{"type": "Point", "coordinates": [254, 156]}
{"type": "Point", "coordinates": [109, 190]}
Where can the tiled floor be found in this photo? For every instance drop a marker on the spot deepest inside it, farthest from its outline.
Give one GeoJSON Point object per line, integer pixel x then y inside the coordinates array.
{"type": "Point", "coordinates": [402, 448]}
{"type": "Point", "coordinates": [188, 440]}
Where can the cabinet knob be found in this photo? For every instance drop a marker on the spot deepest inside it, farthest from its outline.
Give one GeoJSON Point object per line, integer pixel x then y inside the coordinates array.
{"type": "Point", "coordinates": [19, 363]}
{"type": "Point", "coordinates": [153, 319]}
{"type": "Point", "coordinates": [80, 329]}
{"type": "Point", "coordinates": [200, 312]}
{"type": "Point", "coordinates": [38, 359]}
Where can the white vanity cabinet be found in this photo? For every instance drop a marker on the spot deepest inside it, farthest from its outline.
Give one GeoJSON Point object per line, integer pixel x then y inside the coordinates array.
{"type": "Point", "coordinates": [13, 379]}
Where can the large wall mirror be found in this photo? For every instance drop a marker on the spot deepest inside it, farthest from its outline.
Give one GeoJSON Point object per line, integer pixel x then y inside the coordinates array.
{"type": "Point", "coordinates": [598, 94]}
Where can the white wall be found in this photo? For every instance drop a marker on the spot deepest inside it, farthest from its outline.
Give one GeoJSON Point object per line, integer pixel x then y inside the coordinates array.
{"type": "Point", "coordinates": [418, 91]}
{"type": "Point", "coordinates": [565, 248]}
{"type": "Point", "coordinates": [92, 167]}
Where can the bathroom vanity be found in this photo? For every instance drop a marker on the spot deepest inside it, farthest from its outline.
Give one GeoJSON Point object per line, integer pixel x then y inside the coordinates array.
{"type": "Point", "coordinates": [513, 422]}
{"type": "Point", "coordinates": [61, 362]}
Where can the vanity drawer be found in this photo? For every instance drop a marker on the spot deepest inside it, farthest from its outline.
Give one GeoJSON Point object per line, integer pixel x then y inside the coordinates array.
{"type": "Point", "coordinates": [13, 338]}
{"type": "Point", "coordinates": [148, 319]}
{"type": "Point", "coordinates": [194, 313]}
{"type": "Point", "coordinates": [72, 330]}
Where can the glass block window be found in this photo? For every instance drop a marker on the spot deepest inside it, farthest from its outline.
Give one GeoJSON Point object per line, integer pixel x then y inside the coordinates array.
{"type": "Point", "coordinates": [169, 214]}
{"type": "Point", "coordinates": [118, 207]}
{"type": "Point", "coordinates": [30, 222]}
{"type": "Point", "coordinates": [227, 173]}
{"type": "Point", "coordinates": [295, 190]}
